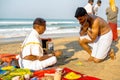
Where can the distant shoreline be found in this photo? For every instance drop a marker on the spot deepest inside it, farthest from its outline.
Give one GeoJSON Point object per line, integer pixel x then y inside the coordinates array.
{"type": "Point", "coordinates": [11, 40]}
{"type": "Point", "coordinates": [21, 39]}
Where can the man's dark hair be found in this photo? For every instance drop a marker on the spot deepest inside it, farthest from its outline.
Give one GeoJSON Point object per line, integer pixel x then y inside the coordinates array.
{"type": "Point", "coordinates": [99, 1]}
{"type": "Point", "coordinates": [90, 1]}
{"type": "Point", "coordinates": [80, 12]}
{"type": "Point", "coordinates": [39, 21]}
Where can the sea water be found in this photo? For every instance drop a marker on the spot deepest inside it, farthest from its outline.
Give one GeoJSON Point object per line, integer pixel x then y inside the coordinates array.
{"type": "Point", "coordinates": [18, 29]}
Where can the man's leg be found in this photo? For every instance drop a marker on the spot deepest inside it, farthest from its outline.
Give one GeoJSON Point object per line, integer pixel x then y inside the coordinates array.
{"type": "Point", "coordinates": [110, 53]}
{"type": "Point", "coordinates": [86, 47]}
{"type": "Point", "coordinates": [48, 62]}
{"type": "Point", "coordinates": [102, 47]}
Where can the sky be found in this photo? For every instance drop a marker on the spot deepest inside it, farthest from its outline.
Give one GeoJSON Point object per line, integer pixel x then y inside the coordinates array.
{"type": "Point", "coordinates": [48, 9]}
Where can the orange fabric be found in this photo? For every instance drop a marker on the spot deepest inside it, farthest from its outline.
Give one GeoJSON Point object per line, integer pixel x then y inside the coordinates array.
{"type": "Point", "coordinates": [114, 30]}
{"type": "Point", "coordinates": [112, 5]}
{"type": "Point", "coordinates": [8, 57]}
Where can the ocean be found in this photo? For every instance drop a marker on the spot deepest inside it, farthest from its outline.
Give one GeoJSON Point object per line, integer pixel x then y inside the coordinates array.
{"type": "Point", "coordinates": [17, 29]}
{"type": "Point", "coordinates": [12, 30]}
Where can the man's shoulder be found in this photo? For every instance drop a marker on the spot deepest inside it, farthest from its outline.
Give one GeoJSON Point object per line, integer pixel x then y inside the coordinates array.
{"type": "Point", "coordinates": [97, 19]}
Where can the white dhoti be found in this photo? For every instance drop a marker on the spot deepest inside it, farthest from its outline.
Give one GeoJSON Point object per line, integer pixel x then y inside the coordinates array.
{"type": "Point", "coordinates": [101, 46]}
{"type": "Point", "coordinates": [37, 65]}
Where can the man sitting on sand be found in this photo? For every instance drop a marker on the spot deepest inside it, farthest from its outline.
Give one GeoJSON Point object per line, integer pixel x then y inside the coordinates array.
{"type": "Point", "coordinates": [32, 56]}
{"type": "Point", "coordinates": [94, 32]}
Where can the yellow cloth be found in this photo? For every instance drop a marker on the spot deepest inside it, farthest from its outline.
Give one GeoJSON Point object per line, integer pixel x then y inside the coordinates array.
{"type": "Point", "coordinates": [31, 43]}
{"type": "Point", "coordinates": [112, 5]}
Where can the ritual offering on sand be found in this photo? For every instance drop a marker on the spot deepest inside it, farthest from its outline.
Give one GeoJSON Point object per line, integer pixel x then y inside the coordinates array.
{"type": "Point", "coordinates": [72, 76]}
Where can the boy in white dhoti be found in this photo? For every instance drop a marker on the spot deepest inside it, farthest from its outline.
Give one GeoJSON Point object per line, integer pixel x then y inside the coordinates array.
{"type": "Point", "coordinates": [32, 56]}
{"type": "Point", "coordinates": [94, 32]}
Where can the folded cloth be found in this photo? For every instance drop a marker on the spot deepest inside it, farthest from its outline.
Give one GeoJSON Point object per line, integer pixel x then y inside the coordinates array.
{"type": "Point", "coordinates": [8, 57]}
{"type": "Point", "coordinates": [41, 73]}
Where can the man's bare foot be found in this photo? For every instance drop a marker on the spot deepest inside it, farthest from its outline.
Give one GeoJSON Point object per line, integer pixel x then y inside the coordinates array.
{"type": "Point", "coordinates": [112, 54]}
{"type": "Point", "coordinates": [90, 59]}
{"type": "Point", "coordinates": [116, 40]}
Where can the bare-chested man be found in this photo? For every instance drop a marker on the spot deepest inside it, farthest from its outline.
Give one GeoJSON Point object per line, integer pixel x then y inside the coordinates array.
{"type": "Point", "coordinates": [96, 33]}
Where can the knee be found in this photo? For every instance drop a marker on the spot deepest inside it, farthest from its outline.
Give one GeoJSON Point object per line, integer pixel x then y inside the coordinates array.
{"type": "Point", "coordinates": [81, 42]}
{"type": "Point", "coordinates": [53, 59]}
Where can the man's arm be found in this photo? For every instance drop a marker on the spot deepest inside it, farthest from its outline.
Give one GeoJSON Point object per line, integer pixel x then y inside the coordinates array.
{"type": "Point", "coordinates": [93, 33]}
{"type": "Point", "coordinates": [83, 32]}
{"type": "Point", "coordinates": [56, 53]}
{"type": "Point", "coordinates": [84, 29]}
{"type": "Point", "coordinates": [45, 57]}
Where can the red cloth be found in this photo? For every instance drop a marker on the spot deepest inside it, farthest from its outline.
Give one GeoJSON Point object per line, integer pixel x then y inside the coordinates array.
{"type": "Point", "coordinates": [39, 74]}
{"type": "Point", "coordinates": [114, 30]}
{"type": "Point", "coordinates": [83, 77]}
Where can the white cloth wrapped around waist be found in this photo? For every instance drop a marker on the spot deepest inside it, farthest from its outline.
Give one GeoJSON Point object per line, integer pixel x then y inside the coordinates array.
{"type": "Point", "coordinates": [37, 64]}
{"type": "Point", "coordinates": [101, 46]}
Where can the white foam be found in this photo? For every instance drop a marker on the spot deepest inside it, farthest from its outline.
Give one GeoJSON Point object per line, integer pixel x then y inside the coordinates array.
{"type": "Point", "coordinates": [14, 22]}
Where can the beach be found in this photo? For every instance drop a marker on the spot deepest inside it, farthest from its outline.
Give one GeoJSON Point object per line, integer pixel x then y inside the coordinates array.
{"type": "Point", "coordinates": [75, 58]}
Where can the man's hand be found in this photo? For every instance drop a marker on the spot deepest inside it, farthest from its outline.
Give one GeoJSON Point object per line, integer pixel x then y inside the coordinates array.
{"type": "Point", "coordinates": [82, 33]}
{"type": "Point", "coordinates": [89, 31]}
{"type": "Point", "coordinates": [85, 40]}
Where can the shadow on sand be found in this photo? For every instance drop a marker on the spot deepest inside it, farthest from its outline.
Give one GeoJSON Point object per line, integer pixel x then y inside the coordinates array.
{"type": "Point", "coordinates": [71, 48]}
